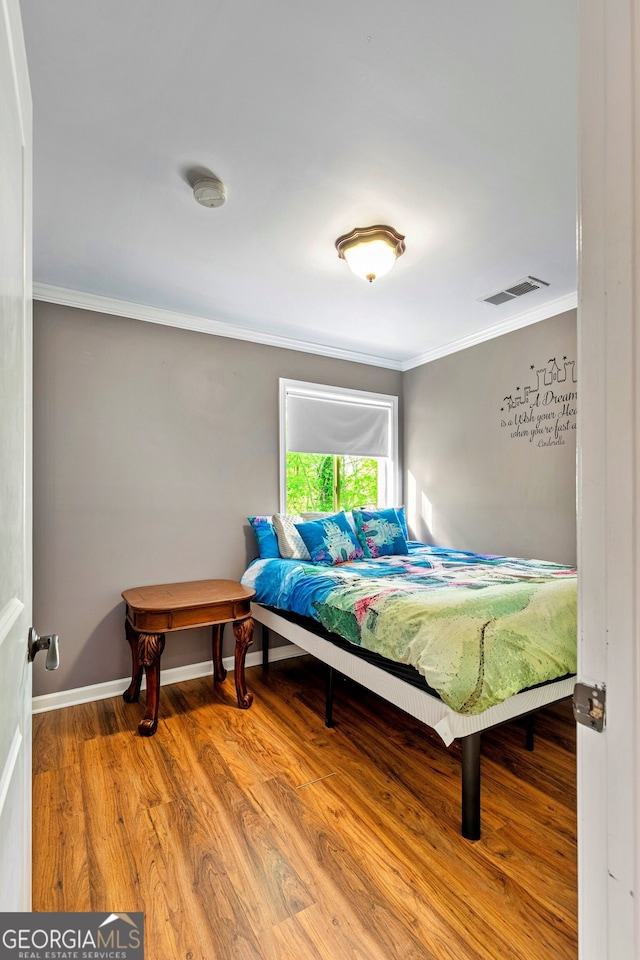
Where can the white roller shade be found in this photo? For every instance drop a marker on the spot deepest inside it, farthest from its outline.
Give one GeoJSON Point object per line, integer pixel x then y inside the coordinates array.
{"type": "Point", "coordinates": [319, 425]}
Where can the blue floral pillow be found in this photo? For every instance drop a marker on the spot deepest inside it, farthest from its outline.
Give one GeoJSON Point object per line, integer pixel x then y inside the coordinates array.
{"type": "Point", "coordinates": [380, 532]}
{"type": "Point", "coordinates": [266, 537]}
{"type": "Point", "coordinates": [402, 517]}
{"type": "Point", "coordinates": [330, 540]}
{"type": "Point", "coordinates": [403, 521]}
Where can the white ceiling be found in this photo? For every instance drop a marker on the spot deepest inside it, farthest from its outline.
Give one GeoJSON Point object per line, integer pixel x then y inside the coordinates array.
{"type": "Point", "coordinates": [454, 122]}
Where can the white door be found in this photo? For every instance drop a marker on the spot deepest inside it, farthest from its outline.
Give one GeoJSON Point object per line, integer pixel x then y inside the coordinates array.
{"type": "Point", "coordinates": [15, 464]}
{"type": "Point", "coordinates": [609, 476]}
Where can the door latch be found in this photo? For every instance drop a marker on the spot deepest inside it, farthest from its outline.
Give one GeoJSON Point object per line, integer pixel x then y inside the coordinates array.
{"type": "Point", "coordinates": [50, 644]}
{"type": "Point", "coordinates": [589, 705]}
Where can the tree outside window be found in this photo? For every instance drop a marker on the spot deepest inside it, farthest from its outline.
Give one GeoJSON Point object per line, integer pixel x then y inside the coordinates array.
{"type": "Point", "coordinates": [328, 482]}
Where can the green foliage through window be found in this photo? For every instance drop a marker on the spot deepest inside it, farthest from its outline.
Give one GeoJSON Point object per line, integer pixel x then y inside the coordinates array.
{"type": "Point", "coordinates": [322, 483]}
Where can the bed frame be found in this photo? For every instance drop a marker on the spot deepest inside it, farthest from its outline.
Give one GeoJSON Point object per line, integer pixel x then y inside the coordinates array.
{"type": "Point", "coordinates": [415, 700]}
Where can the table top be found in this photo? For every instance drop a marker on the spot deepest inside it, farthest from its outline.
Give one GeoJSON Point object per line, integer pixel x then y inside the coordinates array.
{"type": "Point", "coordinates": [182, 596]}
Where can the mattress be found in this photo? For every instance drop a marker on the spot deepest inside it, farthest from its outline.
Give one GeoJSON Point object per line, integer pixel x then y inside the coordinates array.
{"type": "Point", "coordinates": [479, 629]}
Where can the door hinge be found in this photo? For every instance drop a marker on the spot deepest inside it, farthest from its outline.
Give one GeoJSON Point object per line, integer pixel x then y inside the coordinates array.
{"type": "Point", "coordinates": [589, 705]}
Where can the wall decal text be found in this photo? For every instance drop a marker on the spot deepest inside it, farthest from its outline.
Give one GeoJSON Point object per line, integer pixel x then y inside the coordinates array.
{"type": "Point", "coordinates": [543, 413]}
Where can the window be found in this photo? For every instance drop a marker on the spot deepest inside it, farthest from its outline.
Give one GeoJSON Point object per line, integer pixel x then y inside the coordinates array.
{"type": "Point", "coordinates": [338, 448]}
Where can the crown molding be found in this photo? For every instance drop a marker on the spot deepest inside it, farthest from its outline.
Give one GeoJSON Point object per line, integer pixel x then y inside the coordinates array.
{"type": "Point", "coordinates": [138, 311]}
{"type": "Point", "coordinates": [551, 308]}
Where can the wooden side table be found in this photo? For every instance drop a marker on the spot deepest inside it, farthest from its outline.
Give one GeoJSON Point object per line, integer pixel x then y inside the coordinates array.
{"type": "Point", "coordinates": [153, 611]}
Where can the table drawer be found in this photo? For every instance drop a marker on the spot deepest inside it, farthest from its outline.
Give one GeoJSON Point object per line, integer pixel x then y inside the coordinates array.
{"type": "Point", "coordinates": [209, 613]}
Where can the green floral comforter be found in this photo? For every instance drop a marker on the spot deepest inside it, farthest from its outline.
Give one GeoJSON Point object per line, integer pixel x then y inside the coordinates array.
{"type": "Point", "coordinates": [479, 628]}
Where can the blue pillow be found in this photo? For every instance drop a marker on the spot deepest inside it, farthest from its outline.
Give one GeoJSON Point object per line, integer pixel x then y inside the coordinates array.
{"type": "Point", "coordinates": [330, 540]}
{"type": "Point", "coordinates": [403, 521]}
{"type": "Point", "coordinates": [380, 532]}
{"type": "Point", "coordinates": [266, 537]}
{"type": "Point", "coordinates": [401, 517]}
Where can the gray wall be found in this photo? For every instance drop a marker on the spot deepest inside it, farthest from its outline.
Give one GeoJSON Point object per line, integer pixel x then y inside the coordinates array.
{"type": "Point", "coordinates": [475, 478]}
{"type": "Point", "coordinates": [151, 447]}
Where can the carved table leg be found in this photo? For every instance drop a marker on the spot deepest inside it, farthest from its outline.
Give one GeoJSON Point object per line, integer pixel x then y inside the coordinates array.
{"type": "Point", "coordinates": [243, 632]}
{"type": "Point", "coordinates": [150, 647]}
{"type": "Point", "coordinates": [132, 693]}
{"type": "Point", "coordinates": [219, 672]}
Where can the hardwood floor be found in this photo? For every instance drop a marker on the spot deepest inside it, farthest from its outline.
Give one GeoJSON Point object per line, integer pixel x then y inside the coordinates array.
{"type": "Point", "coordinates": [261, 835]}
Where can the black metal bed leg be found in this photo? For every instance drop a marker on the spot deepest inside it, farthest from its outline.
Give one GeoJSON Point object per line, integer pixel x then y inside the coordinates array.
{"type": "Point", "coordinates": [471, 787]}
{"type": "Point", "coordinates": [328, 709]}
{"type": "Point", "coordinates": [265, 647]}
{"type": "Point", "coordinates": [529, 730]}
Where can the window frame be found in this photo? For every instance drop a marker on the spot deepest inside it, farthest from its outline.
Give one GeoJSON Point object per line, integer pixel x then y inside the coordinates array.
{"type": "Point", "coordinates": [327, 392]}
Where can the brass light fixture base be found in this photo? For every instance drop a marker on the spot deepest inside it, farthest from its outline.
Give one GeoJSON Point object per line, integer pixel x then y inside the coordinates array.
{"type": "Point", "coordinates": [371, 251]}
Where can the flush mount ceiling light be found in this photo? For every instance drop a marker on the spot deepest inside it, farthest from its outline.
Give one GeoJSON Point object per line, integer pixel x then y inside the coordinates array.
{"type": "Point", "coordinates": [371, 251]}
{"type": "Point", "coordinates": [210, 192]}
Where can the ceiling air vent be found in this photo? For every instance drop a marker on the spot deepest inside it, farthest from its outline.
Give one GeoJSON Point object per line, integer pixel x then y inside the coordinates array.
{"type": "Point", "coordinates": [527, 285]}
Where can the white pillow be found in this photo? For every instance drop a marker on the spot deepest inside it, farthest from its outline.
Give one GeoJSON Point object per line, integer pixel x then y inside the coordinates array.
{"type": "Point", "coordinates": [290, 543]}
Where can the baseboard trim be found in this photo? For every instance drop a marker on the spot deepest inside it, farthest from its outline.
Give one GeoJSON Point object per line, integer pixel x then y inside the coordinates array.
{"type": "Point", "coordinates": [191, 671]}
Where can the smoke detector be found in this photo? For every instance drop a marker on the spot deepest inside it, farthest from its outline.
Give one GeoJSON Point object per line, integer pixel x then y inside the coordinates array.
{"type": "Point", "coordinates": [526, 285]}
{"type": "Point", "coordinates": [210, 192]}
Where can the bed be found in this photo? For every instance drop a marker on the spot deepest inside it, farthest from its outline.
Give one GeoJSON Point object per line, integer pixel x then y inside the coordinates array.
{"type": "Point", "coordinates": [461, 641]}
